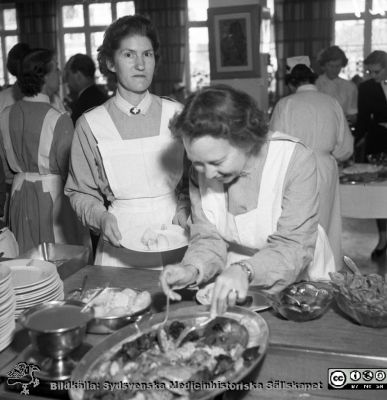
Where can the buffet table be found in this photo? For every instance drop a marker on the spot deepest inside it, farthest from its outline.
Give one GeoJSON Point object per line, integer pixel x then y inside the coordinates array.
{"type": "Point", "coordinates": [364, 200]}
{"type": "Point", "coordinates": [298, 353]}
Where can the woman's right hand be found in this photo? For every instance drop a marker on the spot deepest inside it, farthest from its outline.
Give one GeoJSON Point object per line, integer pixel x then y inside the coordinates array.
{"type": "Point", "coordinates": [109, 229]}
{"type": "Point", "coordinates": [177, 276]}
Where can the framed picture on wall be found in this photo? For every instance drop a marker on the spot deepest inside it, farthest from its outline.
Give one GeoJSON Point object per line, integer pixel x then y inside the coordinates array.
{"type": "Point", "coordinates": [234, 37]}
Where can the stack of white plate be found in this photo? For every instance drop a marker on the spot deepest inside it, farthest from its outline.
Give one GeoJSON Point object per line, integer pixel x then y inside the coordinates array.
{"type": "Point", "coordinates": [34, 282]}
{"type": "Point", "coordinates": [7, 308]}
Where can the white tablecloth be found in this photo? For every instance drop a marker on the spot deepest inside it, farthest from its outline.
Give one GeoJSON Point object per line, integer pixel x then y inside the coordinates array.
{"type": "Point", "coordinates": [367, 200]}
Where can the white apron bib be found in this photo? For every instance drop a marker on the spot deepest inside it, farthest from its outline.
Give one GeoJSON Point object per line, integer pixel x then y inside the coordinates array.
{"type": "Point", "coordinates": [66, 227]}
{"type": "Point", "coordinates": [143, 174]}
{"type": "Point", "coordinates": [243, 232]}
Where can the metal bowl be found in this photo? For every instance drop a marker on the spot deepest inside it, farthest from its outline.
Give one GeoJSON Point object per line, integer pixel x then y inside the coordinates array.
{"type": "Point", "coordinates": [303, 301]}
{"type": "Point", "coordinates": [109, 324]}
{"type": "Point", "coordinates": [55, 339]}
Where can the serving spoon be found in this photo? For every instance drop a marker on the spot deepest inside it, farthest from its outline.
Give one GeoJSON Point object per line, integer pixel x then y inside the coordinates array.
{"type": "Point", "coordinates": [188, 330]}
{"type": "Point", "coordinates": [93, 297]}
{"type": "Point", "coordinates": [161, 335]}
{"type": "Point", "coordinates": [352, 266]}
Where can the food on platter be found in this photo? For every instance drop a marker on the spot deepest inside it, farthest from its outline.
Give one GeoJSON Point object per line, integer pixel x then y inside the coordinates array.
{"type": "Point", "coordinates": [362, 169]}
{"type": "Point", "coordinates": [115, 302]}
{"type": "Point", "coordinates": [215, 353]}
{"type": "Point", "coordinates": [154, 240]}
{"type": "Point", "coordinates": [362, 297]}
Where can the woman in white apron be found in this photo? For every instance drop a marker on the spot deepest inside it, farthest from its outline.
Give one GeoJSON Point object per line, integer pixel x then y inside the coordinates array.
{"type": "Point", "coordinates": [123, 152]}
{"type": "Point", "coordinates": [254, 202]}
{"type": "Point", "coordinates": [36, 139]}
{"type": "Point", "coordinates": [318, 120]}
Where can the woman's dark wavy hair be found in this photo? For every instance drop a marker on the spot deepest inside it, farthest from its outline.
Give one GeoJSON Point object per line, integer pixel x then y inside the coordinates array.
{"type": "Point", "coordinates": [118, 30]}
{"type": "Point", "coordinates": [34, 67]}
{"type": "Point", "coordinates": [300, 74]}
{"type": "Point", "coordinates": [222, 112]}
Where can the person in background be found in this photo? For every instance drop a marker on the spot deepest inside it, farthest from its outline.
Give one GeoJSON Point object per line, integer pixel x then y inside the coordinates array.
{"type": "Point", "coordinates": [332, 60]}
{"type": "Point", "coordinates": [8, 97]}
{"type": "Point", "coordinates": [254, 202]}
{"type": "Point", "coordinates": [318, 120]}
{"type": "Point", "coordinates": [372, 122]}
{"type": "Point", "coordinates": [36, 140]}
{"type": "Point", "coordinates": [123, 150]}
{"type": "Point", "coordinates": [3, 196]}
{"type": "Point", "coordinates": [79, 76]}
{"type": "Point", "coordinates": [12, 94]}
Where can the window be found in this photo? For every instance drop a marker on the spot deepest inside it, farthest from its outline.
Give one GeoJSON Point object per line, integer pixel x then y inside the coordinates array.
{"type": "Point", "coordinates": [360, 27]}
{"type": "Point", "coordinates": [82, 24]}
{"type": "Point", "coordinates": [198, 68]}
{"type": "Point", "coordinates": [8, 38]}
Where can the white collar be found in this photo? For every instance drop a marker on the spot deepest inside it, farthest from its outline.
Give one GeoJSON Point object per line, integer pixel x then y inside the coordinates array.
{"type": "Point", "coordinates": [125, 106]}
{"type": "Point", "coordinates": [307, 88]}
{"type": "Point", "coordinates": [40, 97]}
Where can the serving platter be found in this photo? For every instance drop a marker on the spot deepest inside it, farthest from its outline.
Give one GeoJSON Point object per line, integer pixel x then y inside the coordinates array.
{"type": "Point", "coordinates": [257, 340]}
{"type": "Point", "coordinates": [176, 235]}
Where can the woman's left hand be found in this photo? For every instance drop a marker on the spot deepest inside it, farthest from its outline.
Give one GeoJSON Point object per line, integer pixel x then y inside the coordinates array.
{"type": "Point", "coordinates": [230, 286]}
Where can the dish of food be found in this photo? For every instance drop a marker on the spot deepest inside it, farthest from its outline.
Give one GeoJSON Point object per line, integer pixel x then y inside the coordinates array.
{"type": "Point", "coordinates": [116, 302]}
{"type": "Point", "coordinates": [156, 239]}
{"type": "Point", "coordinates": [362, 169]}
{"type": "Point", "coordinates": [362, 297]}
{"type": "Point", "coordinates": [303, 301]}
{"type": "Point", "coordinates": [255, 300]}
{"type": "Point", "coordinates": [133, 358]}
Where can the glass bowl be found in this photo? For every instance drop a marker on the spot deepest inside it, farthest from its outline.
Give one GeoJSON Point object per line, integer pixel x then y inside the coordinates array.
{"type": "Point", "coordinates": [360, 313]}
{"type": "Point", "coordinates": [303, 301]}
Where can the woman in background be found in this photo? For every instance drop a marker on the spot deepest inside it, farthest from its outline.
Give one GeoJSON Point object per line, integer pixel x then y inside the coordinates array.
{"type": "Point", "coordinates": [254, 202]}
{"type": "Point", "coordinates": [319, 122]}
{"type": "Point", "coordinates": [123, 150]}
{"type": "Point", "coordinates": [332, 60]}
{"type": "Point", "coordinates": [372, 122]}
{"type": "Point", "coordinates": [36, 140]}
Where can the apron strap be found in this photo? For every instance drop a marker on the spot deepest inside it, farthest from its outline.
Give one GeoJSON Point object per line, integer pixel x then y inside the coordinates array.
{"type": "Point", "coordinates": [102, 125]}
{"type": "Point", "coordinates": [284, 136]}
{"type": "Point", "coordinates": [46, 138]}
{"type": "Point", "coordinates": [9, 153]}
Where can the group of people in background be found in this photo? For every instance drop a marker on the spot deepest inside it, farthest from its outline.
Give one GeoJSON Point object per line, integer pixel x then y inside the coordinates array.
{"type": "Point", "coordinates": [260, 199]}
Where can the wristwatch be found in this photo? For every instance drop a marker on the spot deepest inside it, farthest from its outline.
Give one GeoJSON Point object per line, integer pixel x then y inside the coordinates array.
{"type": "Point", "coordinates": [247, 268]}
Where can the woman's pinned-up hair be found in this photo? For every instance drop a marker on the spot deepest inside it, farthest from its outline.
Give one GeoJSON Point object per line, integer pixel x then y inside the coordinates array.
{"type": "Point", "coordinates": [15, 57]}
{"type": "Point", "coordinates": [222, 112]}
{"type": "Point", "coordinates": [332, 53]}
{"type": "Point", "coordinates": [299, 75]}
{"type": "Point", "coordinates": [35, 66]}
{"type": "Point", "coordinates": [123, 27]}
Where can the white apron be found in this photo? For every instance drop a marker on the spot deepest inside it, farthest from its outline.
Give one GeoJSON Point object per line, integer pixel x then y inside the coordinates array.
{"type": "Point", "coordinates": [329, 192]}
{"type": "Point", "coordinates": [143, 174]}
{"type": "Point", "coordinates": [66, 228]}
{"type": "Point", "coordinates": [244, 233]}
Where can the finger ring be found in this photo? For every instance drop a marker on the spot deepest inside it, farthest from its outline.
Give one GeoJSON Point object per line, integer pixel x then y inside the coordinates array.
{"type": "Point", "coordinates": [232, 291]}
